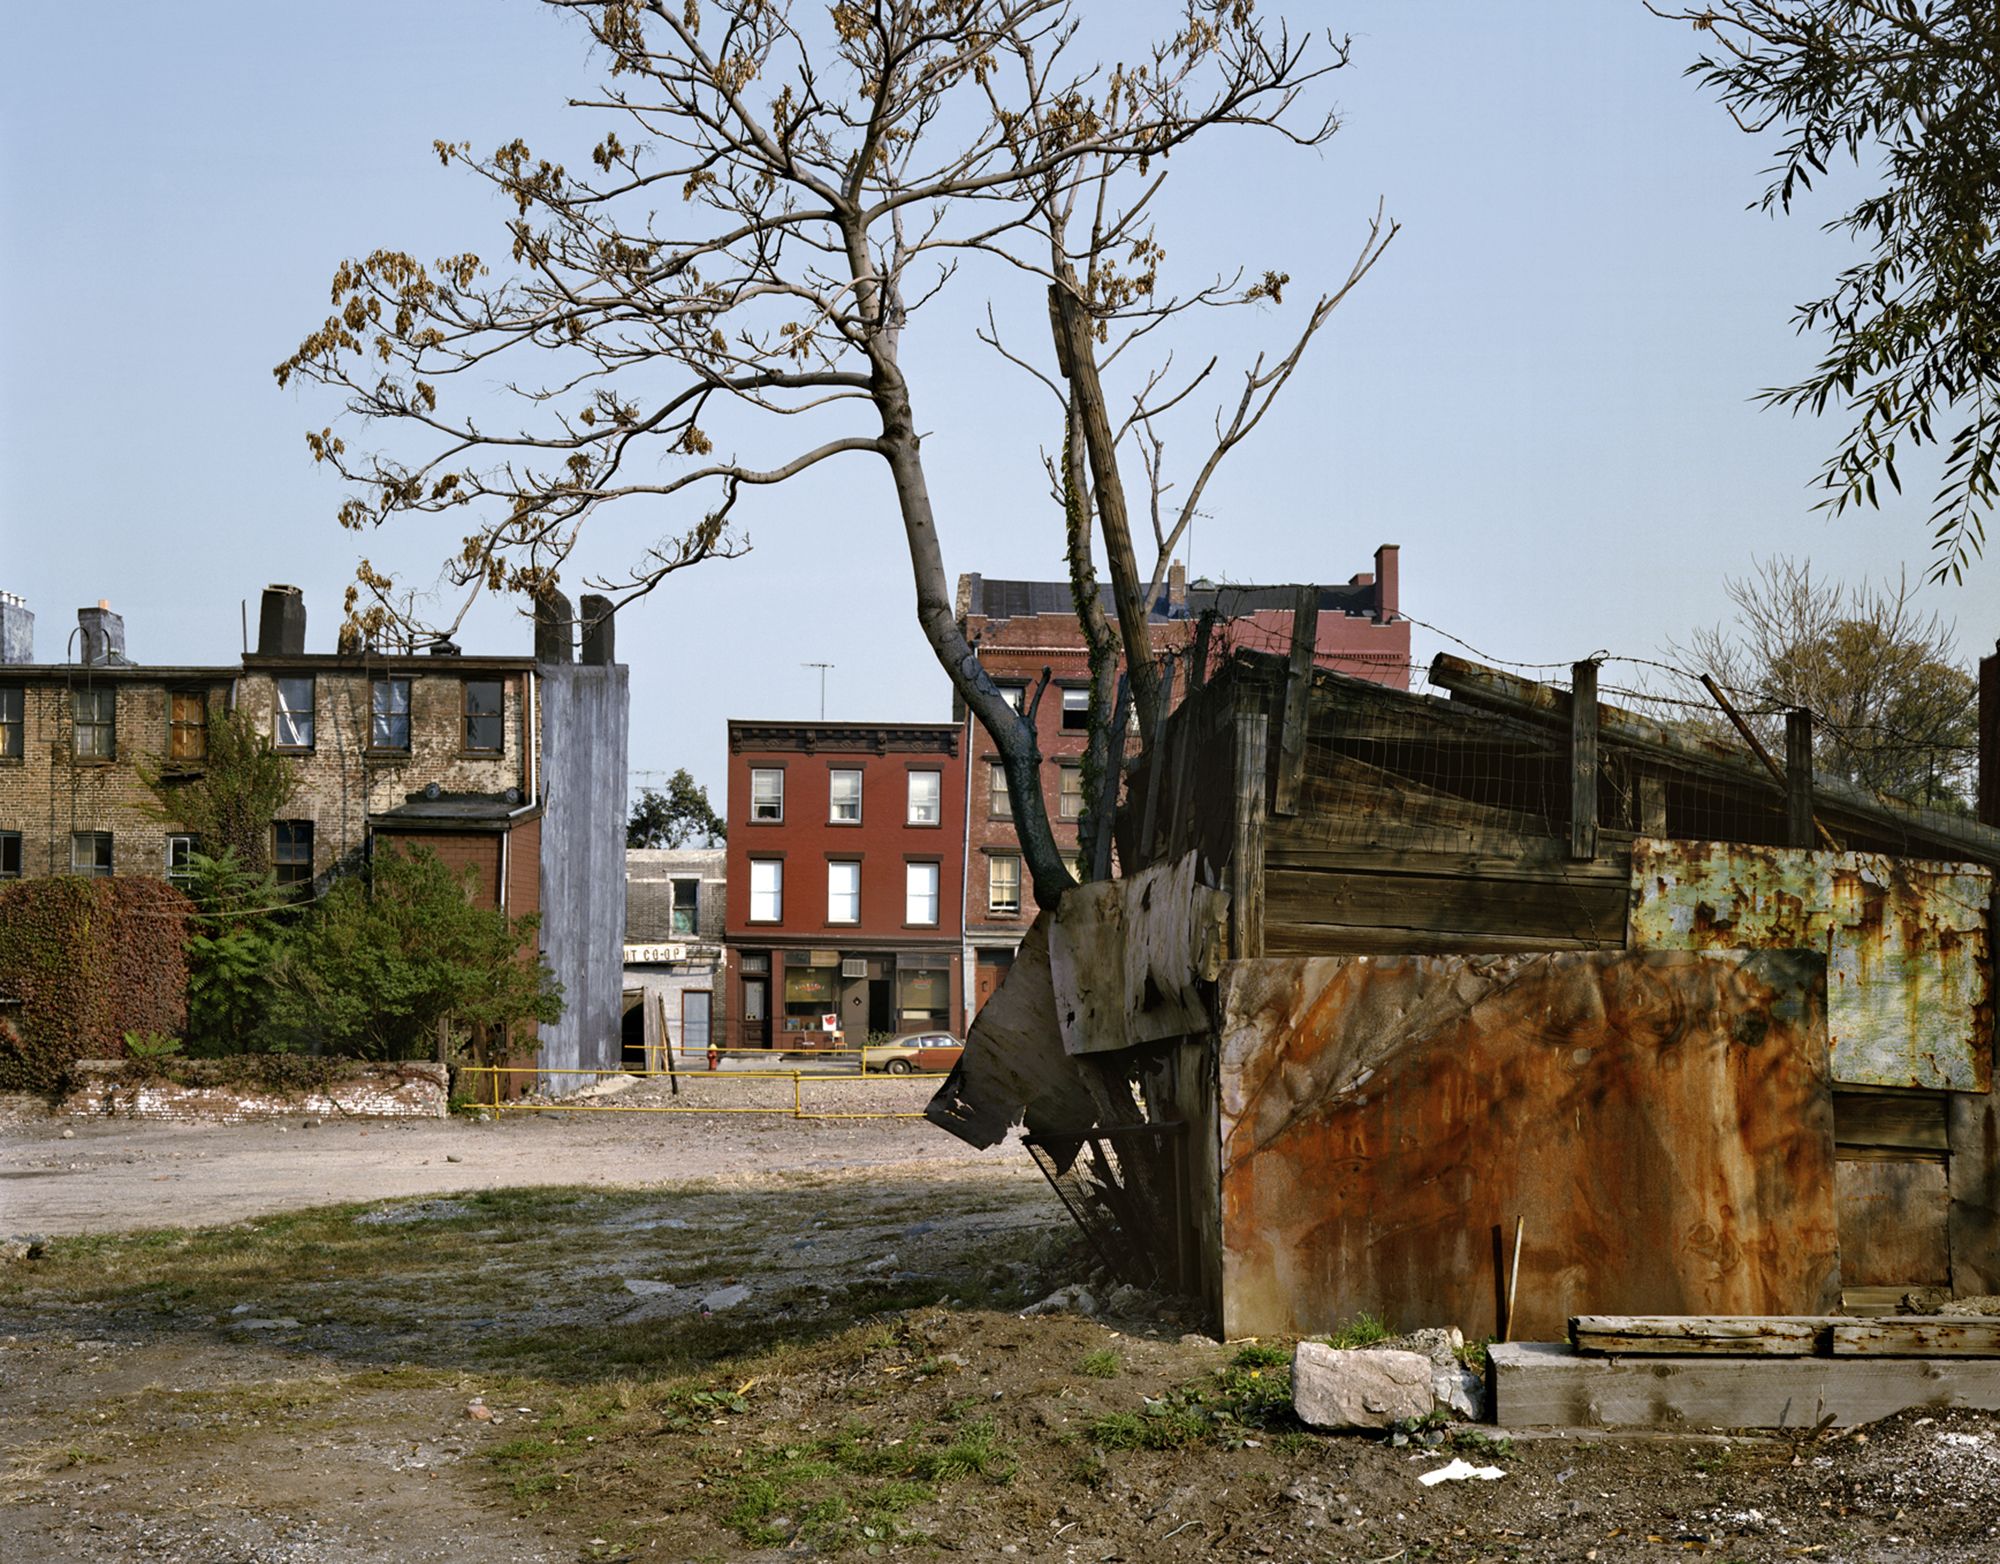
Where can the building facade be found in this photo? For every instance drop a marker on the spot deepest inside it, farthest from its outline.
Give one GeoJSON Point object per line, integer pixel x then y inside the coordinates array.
{"type": "Point", "coordinates": [845, 902]}
{"type": "Point", "coordinates": [1023, 629]}
{"type": "Point", "coordinates": [675, 907]}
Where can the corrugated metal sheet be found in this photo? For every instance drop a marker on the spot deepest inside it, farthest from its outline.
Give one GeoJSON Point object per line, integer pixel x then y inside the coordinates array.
{"type": "Point", "coordinates": [1909, 975]}
{"type": "Point", "coordinates": [1662, 1121]}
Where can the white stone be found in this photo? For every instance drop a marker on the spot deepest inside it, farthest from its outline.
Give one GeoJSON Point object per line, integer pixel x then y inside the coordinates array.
{"type": "Point", "coordinates": [725, 1298]}
{"type": "Point", "coordinates": [1332, 1388]}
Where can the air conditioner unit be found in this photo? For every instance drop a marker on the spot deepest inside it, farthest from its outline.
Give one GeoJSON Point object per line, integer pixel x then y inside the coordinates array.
{"type": "Point", "coordinates": [854, 967]}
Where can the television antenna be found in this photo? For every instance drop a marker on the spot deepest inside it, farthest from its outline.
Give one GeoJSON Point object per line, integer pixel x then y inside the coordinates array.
{"type": "Point", "coordinates": [822, 667]}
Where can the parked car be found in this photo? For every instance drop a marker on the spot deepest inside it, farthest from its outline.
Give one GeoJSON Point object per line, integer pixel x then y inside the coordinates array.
{"type": "Point", "coordinates": [916, 1053]}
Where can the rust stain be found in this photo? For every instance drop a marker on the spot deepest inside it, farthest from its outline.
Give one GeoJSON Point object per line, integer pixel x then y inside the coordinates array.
{"type": "Point", "coordinates": [1909, 970]}
{"type": "Point", "coordinates": [1663, 1121]}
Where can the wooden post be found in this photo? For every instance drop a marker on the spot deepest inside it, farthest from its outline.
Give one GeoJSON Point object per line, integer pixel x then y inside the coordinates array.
{"type": "Point", "coordinates": [1204, 627]}
{"type": "Point", "coordinates": [1989, 739]}
{"type": "Point", "coordinates": [1107, 792]}
{"type": "Point", "coordinates": [1583, 760]}
{"type": "Point", "coordinates": [1155, 764]}
{"type": "Point", "coordinates": [1799, 780]}
{"type": "Point", "coordinates": [1298, 703]}
{"type": "Point", "coordinates": [1246, 859]}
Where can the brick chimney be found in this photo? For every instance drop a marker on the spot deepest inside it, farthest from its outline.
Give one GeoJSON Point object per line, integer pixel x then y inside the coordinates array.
{"type": "Point", "coordinates": [1387, 603]}
{"type": "Point", "coordinates": [103, 635]}
{"type": "Point", "coordinates": [1176, 588]}
{"type": "Point", "coordinates": [281, 622]}
{"type": "Point", "coordinates": [17, 630]}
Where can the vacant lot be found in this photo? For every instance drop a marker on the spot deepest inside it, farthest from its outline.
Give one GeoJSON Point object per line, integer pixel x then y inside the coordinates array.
{"type": "Point", "coordinates": [793, 1356]}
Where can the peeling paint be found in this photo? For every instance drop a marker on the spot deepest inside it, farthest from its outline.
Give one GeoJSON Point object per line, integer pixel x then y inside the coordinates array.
{"type": "Point", "coordinates": [1909, 979]}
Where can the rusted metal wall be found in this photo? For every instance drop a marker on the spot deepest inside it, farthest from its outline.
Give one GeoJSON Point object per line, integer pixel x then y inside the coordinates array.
{"type": "Point", "coordinates": [1662, 1120]}
{"type": "Point", "coordinates": [1909, 979]}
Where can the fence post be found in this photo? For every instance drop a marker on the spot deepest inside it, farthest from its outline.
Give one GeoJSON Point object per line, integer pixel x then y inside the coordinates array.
{"type": "Point", "coordinates": [1583, 761]}
{"type": "Point", "coordinates": [798, 1102]}
{"type": "Point", "coordinates": [1799, 779]}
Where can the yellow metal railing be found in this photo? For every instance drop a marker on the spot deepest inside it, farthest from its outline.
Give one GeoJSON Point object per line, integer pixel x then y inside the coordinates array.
{"type": "Point", "coordinates": [483, 1085]}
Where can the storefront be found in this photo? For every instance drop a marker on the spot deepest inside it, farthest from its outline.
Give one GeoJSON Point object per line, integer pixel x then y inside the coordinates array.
{"type": "Point", "coordinates": [827, 997]}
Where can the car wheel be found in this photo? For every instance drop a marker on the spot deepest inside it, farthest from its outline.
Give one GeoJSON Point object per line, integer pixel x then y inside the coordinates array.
{"type": "Point", "coordinates": [900, 1067]}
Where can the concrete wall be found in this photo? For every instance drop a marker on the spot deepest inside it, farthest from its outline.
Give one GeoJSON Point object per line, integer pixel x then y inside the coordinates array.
{"type": "Point", "coordinates": [585, 718]}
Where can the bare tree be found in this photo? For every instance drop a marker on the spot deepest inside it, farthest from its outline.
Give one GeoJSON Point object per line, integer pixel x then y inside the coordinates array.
{"type": "Point", "coordinates": [1893, 711]}
{"type": "Point", "coordinates": [777, 198]}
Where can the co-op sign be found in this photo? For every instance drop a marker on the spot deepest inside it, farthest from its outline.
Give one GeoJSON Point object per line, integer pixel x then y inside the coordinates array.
{"type": "Point", "coordinates": [654, 955]}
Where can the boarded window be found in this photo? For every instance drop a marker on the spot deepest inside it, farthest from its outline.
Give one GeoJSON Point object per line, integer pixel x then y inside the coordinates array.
{"type": "Point", "coordinates": [187, 725]}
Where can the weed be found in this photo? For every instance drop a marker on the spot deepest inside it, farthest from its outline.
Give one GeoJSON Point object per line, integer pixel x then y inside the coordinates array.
{"type": "Point", "coordinates": [1475, 1443]}
{"type": "Point", "coordinates": [1262, 1355]}
{"type": "Point", "coordinates": [1101, 1364]}
{"type": "Point", "coordinates": [1361, 1331]}
{"type": "Point", "coordinates": [1472, 1354]}
{"type": "Point", "coordinates": [977, 1452]}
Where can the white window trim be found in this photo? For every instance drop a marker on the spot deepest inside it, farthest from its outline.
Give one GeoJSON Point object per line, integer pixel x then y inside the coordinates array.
{"type": "Point", "coordinates": [936, 804]}
{"type": "Point", "coordinates": [767, 771]}
{"type": "Point", "coordinates": [993, 904]}
{"type": "Point", "coordinates": [776, 891]}
{"type": "Point", "coordinates": [934, 873]}
{"type": "Point", "coordinates": [843, 863]}
{"type": "Point", "coordinates": [833, 815]}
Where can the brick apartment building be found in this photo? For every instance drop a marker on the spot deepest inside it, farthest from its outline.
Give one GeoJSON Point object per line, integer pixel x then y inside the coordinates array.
{"type": "Point", "coordinates": [845, 899]}
{"type": "Point", "coordinates": [1022, 628]}
{"type": "Point", "coordinates": [496, 763]}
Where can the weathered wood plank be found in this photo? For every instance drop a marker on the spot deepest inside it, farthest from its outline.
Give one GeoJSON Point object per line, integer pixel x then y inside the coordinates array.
{"type": "Point", "coordinates": [1246, 859]}
{"type": "Point", "coordinates": [1737, 1335]}
{"type": "Point", "coordinates": [1298, 686]}
{"type": "Point", "coordinates": [1545, 861]}
{"type": "Point", "coordinates": [1591, 912]}
{"type": "Point", "coordinates": [1973, 1126]}
{"type": "Point", "coordinates": [1907, 1121]}
{"type": "Point", "coordinates": [1583, 761]}
{"type": "Point", "coordinates": [1916, 1336]}
{"type": "Point", "coordinates": [1652, 805]}
{"type": "Point", "coordinates": [1799, 829]}
{"type": "Point", "coordinates": [1339, 939]}
{"type": "Point", "coordinates": [1892, 1223]}
{"type": "Point", "coordinates": [1538, 1385]}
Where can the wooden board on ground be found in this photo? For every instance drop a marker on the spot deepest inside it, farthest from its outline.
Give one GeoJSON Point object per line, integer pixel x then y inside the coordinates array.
{"type": "Point", "coordinates": [1917, 1336]}
{"type": "Point", "coordinates": [1678, 1335]}
{"type": "Point", "coordinates": [1540, 1385]}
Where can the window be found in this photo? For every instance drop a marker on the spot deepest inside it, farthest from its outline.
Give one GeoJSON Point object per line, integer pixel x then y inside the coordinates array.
{"type": "Point", "coordinates": [767, 794]}
{"type": "Point", "coordinates": [920, 893]}
{"type": "Point", "coordinates": [996, 790]}
{"type": "Point", "coordinates": [1076, 711]}
{"type": "Point", "coordinates": [843, 891]}
{"type": "Point", "coordinates": [187, 725]}
{"type": "Point", "coordinates": [96, 725]}
{"type": "Point", "coordinates": [292, 851]}
{"type": "Point", "coordinates": [389, 720]}
{"type": "Point", "coordinates": [295, 714]}
{"type": "Point", "coordinates": [181, 848]}
{"type": "Point", "coordinates": [10, 855]}
{"type": "Point", "coordinates": [481, 728]}
{"type": "Point", "coordinates": [1014, 695]}
{"type": "Point", "coordinates": [926, 792]}
{"type": "Point", "coordinates": [12, 706]}
{"type": "Point", "coordinates": [1071, 805]}
{"type": "Point", "coordinates": [90, 853]}
{"type": "Point", "coordinates": [767, 890]}
{"type": "Point", "coordinates": [1003, 883]}
{"type": "Point", "coordinates": [845, 808]}
{"type": "Point", "coordinates": [687, 906]}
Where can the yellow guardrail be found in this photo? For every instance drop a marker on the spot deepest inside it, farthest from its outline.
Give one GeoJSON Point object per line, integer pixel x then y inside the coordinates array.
{"type": "Point", "coordinates": [484, 1083]}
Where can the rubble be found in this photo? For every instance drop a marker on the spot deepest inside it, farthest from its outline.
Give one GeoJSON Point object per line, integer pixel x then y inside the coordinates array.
{"type": "Point", "coordinates": [1359, 1388]}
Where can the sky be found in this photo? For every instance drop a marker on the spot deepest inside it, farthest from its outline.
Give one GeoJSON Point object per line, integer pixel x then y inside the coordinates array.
{"type": "Point", "coordinates": [1544, 393]}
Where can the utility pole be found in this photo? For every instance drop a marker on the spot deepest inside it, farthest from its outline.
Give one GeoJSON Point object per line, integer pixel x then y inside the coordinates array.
{"type": "Point", "coordinates": [822, 667]}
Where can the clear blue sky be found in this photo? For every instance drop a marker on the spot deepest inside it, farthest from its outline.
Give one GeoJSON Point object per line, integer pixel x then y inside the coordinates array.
{"type": "Point", "coordinates": [1543, 393]}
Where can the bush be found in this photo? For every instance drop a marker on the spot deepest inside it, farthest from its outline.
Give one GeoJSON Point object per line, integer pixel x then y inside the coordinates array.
{"type": "Point", "coordinates": [90, 960]}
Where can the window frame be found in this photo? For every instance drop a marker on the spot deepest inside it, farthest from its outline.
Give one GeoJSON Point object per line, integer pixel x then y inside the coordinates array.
{"type": "Point", "coordinates": [280, 711]}
{"type": "Point", "coordinates": [13, 729]}
{"type": "Point", "coordinates": [181, 876]}
{"type": "Point", "coordinates": [853, 864]}
{"type": "Point", "coordinates": [833, 800]}
{"type": "Point", "coordinates": [11, 839]}
{"type": "Point", "coordinates": [994, 865]}
{"type": "Point", "coordinates": [935, 869]}
{"type": "Point", "coordinates": [1066, 772]}
{"type": "Point", "coordinates": [999, 806]}
{"type": "Point", "coordinates": [937, 802]}
{"type": "Point", "coordinates": [467, 717]}
{"type": "Point", "coordinates": [776, 890]}
{"type": "Point", "coordinates": [777, 800]}
{"type": "Point", "coordinates": [96, 695]}
{"type": "Point", "coordinates": [285, 868]}
{"type": "Point", "coordinates": [178, 726]}
{"type": "Point", "coordinates": [675, 908]}
{"type": "Point", "coordinates": [376, 714]}
{"type": "Point", "coordinates": [1080, 693]}
{"type": "Point", "coordinates": [94, 870]}
{"type": "Point", "coordinates": [1015, 695]}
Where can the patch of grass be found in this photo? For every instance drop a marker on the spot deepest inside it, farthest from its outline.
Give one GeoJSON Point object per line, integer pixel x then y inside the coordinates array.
{"type": "Point", "coordinates": [1473, 1443]}
{"type": "Point", "coordinates": [976, 1452]}
{"type": "Point", "coordinates": [1169, 1423]}
{"type": "Point", "coordinates": [1262, 1355]}
{"type": "Point", "coordinates": [1104, 1363]}
{"type": "Point", "coordinates": [1472, 1354]}
{"type": "Point", "coordinates": [1361, 1331]}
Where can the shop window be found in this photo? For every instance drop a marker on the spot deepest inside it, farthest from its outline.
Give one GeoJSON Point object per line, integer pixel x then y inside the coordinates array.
{"type": "Point", "coordinates": [920, 896]}
{"type": "Point", "coordinates": [187, 725]}
{"type": "Point", "coordinates": [810, 996]}
{"type": "Point", "coordinates": [90, 853]}
{"type": "Point", "coordinates": [1071, 804]}
{"type": "Point", "coordinates": [389, 721]}
{"type": "Point", "coordinates": [997, 805]}
{"type": "Point", "coordinates": [13, 706]}
{"type": "Point", "coordinates": [295, 714]}
{"type": "Point", "coordinates": [845, 790]}
{"type": "Point", "coordinates": [767, 794]}
{"type": "Point", "coordinates": [181, 848]}
{"type": "Point", "coordinates": [843, 891]}
{"type": "Point", "coordinates": [1003, 883]}
{"type": "Point", "coordinates": [687, 907]}
{"type": "Point", "coordinates": [482, 725]}
{"type": "Point", "coordinates": [767, 890]}
{"type": "Point", "coordinates": [96, 724]}
{"type": "Point", "coordinates": [1076, 711]}
{"type": "Point", "coordinates": [923, 998]}
{"type": "Point", "coordinates": [926, 797]}
{"type": "Point", "coordinates": [292, 851]}
{"type": "Point", "coordinates": [10, 855]}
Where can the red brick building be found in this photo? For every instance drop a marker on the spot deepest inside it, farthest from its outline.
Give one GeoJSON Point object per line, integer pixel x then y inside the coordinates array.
{"type": "Point", "coordinates": [1022, 628]}
{"type": "Point", "coordinates": [845, 894]}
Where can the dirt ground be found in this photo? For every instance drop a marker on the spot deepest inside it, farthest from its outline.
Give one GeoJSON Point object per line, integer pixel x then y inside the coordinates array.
{"type": "Point", "coordinates": [628, 1338]}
